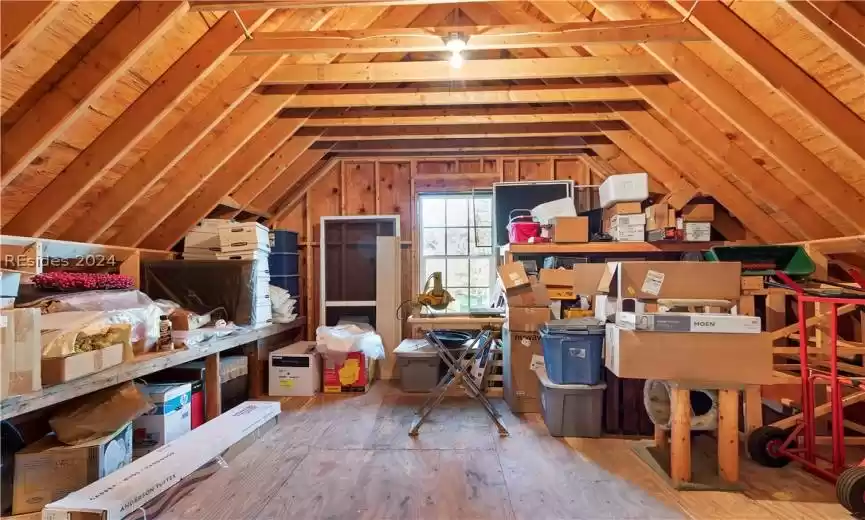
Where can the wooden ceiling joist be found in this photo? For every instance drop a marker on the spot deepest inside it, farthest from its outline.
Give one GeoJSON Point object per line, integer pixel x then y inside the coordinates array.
{"type": "Point", "coordinates": [461, 116]}
{"type": "Point", "coordinates": [454, 95]}
{"type": "Point", "coordinates": [180, 140]}
{"type": "Point", "coordinates": [751, 121]}
{"type": "Point", "coordinates": [460, 145]}
{"type": "Point", "coordinates": [837, 24]}
{"type": "Point", "coordinates": [289, 177]}
{"type": "Point", "coordinates": [223, 181]}
{"type": "Point", "coordinates": [472, 70]}
{"type": "Point", "coordinates": [779, 72]}
{"type": "Point", "coordinates": [370, 133]}
{"type": "Point", "coordinates": [88, 168]}
{"type": "Point", "coordinates": [238, 5]}
{"type": "Point", "coordinates": [432, 39]}
{"type": "Point", "coordinates": [68, 100]}
{"type": "Point", "coordinates": [21, 21]}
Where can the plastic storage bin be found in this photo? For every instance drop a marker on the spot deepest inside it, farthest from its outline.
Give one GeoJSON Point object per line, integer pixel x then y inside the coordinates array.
{"type": "Point", "coordinates": [283, 264]}
{"type": "Point", "coordinates": [420, 367]}
{"type": "Point", "coordinates": [283, 241]}
{"type": "Point", "coordinates": [631, 187]}
{"type": "Point", "coordinates": [289, 283]}
{"type": "Point", "coordinates": [571, 410]}
{"type": "Point", "coordinates": [572, 350]}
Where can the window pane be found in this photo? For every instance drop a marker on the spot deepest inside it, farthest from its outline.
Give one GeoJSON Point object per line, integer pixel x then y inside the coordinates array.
{"type": "Point", "coordinates": [458, 272]}
{"type": "Point", "coordinates": [479, 298]}
{"type": "Point", "coordinates": [461, 300]}
{"type": "Point", "coordinates": [432, 265]}
{"type": "Point", "coordinates": [458, 242]}
{"type": "Point", "coordinates": [480, 272]}
{"type": "Point", "coordinates": [457, 212]}
{"type": "Point", "coordinates": [481, 241]}
{"type": "Point", "coordinates": [434, 241]}
{"type": "Point", "coordinates": [482, 211]}
{"type": "Point", "coordinates": [433, 211]}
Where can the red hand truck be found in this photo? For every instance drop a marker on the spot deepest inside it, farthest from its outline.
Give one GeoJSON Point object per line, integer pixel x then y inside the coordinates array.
{"type": "Point", "coordinates": [774, 447]}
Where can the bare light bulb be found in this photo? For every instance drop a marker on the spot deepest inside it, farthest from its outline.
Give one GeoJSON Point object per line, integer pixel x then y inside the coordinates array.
{"type": "Point", "coordinates": [456, 60]}
{"type": "Point", "coordinates": [456, 42]}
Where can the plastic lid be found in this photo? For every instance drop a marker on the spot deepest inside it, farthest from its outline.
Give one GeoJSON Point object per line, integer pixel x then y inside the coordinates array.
{"type": "Point", "coordinates": [574, 324]}
{"type": "Point", "coordinates": [415, 348]}
{"type": "Point", "coordinates": [545, 380]}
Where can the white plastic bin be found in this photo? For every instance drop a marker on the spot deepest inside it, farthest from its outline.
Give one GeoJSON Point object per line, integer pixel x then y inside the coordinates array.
{"type": "Point", "coordinates": [631, 187]}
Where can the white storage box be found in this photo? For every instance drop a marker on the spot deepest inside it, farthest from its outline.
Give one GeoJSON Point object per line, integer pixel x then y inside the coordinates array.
{"type": "Point", "coordinates": [688, 322]}
{"type": "Point", "coordinates": [262, 313]}
{"type": "Point", "coordinates": [697, 231]}
{"type": "Point", "coordinates": [628, 220]}
{"type": "Point", "coordinates": [247, 236]}
{"type": "Point", "coordinates": [168, 420]}
{"type": "Point", "coordinates": [628, 233]}
{"type": "Point", "coordinates": [200, 254]}
{"type": "Point", "coordinates": [630, 187]}
{"type": "Point", "coordinates": [295, 370]}
{"type": "Point", "coordinates": [199, 239]}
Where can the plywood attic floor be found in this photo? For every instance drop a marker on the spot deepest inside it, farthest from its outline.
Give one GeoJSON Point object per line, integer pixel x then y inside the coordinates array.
{"type": "Point", "coordinates": [334, 457]}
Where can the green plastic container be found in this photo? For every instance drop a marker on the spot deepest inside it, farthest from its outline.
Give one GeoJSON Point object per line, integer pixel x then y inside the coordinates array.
{"type": "Point", "coordinates": [765, 260]}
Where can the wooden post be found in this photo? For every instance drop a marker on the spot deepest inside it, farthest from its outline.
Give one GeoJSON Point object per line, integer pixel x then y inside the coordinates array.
{"type": "Point", "coordinates": [661, 438]}
{"type": "Point", "coordinates": [753, 398]}
{"type": "Point", "coordinates": [728, 435]}
{"type": "Point", "coordinates": [680, 433]}
{"type": "Point", "coordinates": [132, 267]}
{"type": "Point", "coordinates": [212, 387]}
{"type": "Point", "coordinates": [256, 374]}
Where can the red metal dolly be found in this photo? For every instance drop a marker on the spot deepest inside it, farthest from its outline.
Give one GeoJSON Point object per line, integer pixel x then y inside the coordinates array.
{"type": "Point", "coordinates": [774, 447]}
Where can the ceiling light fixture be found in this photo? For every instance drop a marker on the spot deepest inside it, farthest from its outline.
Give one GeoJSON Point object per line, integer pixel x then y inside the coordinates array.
{"type": "Point", "coordinates": [456, 60]}
{"type": "Point", "coordinates": [456, 42]}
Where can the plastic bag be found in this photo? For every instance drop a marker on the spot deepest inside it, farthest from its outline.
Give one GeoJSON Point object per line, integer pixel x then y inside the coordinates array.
{"type": "Point", "coordinates": [68, 333]}
{"type": "Point", "coordinates": [349, 337]}
{"type": "Point", "coordinates": [191, 338]}
{"type": "Point", "coordinates": [99, 414]}
{"type": "Point", "coordinates": [282, 304]}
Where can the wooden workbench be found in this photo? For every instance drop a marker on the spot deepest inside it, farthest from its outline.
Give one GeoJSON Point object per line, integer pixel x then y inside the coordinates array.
{"type": "Point", "coordinates": [257, 342]}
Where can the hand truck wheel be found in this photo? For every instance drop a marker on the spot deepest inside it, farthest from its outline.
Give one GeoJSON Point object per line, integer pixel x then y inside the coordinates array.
{"type": "Point", "coordinates": [763, 446]}
{"type": "Point", "coordinates": [850, 490]}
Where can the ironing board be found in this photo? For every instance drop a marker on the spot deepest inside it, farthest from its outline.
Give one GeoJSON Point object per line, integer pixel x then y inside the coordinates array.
{"type": "Point", "coordinates": [487, 329]}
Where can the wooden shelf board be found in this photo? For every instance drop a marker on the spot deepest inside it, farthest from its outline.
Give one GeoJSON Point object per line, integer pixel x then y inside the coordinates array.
{"type": "Point", "coordinates": [607, 247]}
{"type": "Point", "coordinates": [139, 367]}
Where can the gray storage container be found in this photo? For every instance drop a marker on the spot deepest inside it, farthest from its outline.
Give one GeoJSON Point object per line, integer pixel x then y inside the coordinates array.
{"type": "Point", "coordinates": [419, 365]}
{"type": "Point", "coordinates": [571, 410]}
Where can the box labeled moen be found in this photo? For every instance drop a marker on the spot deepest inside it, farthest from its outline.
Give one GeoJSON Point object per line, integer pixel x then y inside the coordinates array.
{"type": "Point", "coordinates": [689, 322]}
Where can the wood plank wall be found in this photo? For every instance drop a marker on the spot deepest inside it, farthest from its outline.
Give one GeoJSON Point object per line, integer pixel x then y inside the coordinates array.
{"type": "Point", "coordinates": [388, 186]}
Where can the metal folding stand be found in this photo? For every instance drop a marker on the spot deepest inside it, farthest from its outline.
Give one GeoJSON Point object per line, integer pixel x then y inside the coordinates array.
{"type": "Point", "coordinates": [459, 368]}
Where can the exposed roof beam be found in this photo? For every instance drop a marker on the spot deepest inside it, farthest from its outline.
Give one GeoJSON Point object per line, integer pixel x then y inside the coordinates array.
{"type": "Point", "coordinates": [431, 39]}
{"type": "Point", "coordinates": [472, 70]}
{"type": "Point", "coordinates": [468, 115]}
{"type": "Point", "coordinates": [237, 5]}
{"type": "Point", "coordinates": [374, 133]}
{"type": "Point", "coordinates": [715, 90]}
{"type": "Point", "coordinates": [183, 137]}
{"type": "Point", "coordinates": [289, 177]}
{"type": "Point", "coordinates": [138, 31]}
{"type": "Point", "coordinates": [433, 96]}
{"type": "Point", "coordinates": [89, 167]}
{"type": "Point", "coordinates": [23, 20]}
{"type": "Point", "coordinates": [299, 185]}
{"type": "Point", "coordinates": [837, 24]}
{"type": "Point", "coordinates": [749, 48]}
{"type": "Point", "coordinates": [459, 145]}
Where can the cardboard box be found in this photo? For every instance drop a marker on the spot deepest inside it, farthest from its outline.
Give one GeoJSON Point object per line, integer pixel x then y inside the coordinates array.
{"type": "Point", "coordinates": [752, 283]}
{"type": "Point", "coordinates": [528, 319]}
{"type": "Point", "coordinates": [61, 370]}
{"type": "Point", "coordinates": [521, 389]}
{"type": "Point", "coordinates": [698, 213]}
{"type": "Point", "coordinates": [557, 277]}
{"type": "Point", "coordinates": [170, 418]}
{"type": "Point", "coordinates": [679, 198]}
{"type": "Point", "coordinates": [243, 236]}
{"type": "Point", "coordinates": [624, 208]}
{"type": "Point", "coordinates": [48, 470]}
{"type": "Point", "coordinates": [689, 322]}
{"type": "Point", "coordinates": [697, 232]}
{"type": "Point", "coordinates": [513, 276]}
{"type": "Point", "coordinates": [660, 235]}
{"type": "Point", "coordinates": [20, 352]}
{"type": "Point", "coordinates": [570, 230]}
{"type": "Point", "coordinates": [134, 486]}
{"type": "Point", "coordinates": [628, 233]}
{"type": "Point", "coordinates": [674, 280]}
{"type": "Point", "coordinates": [586, 277]}
{"type": "Point", "coordinates": [686, 356]}
{"type": "Point", "coordinates": [534, 295]}
{"type": "Point", "coordinates": [628, 220]}
{"type": "Point", "coordinates": [351, 375]}
{"type": "Point", "coordinates": [294, 370]}
{"type": "Point", "coordinates": [660, 216]}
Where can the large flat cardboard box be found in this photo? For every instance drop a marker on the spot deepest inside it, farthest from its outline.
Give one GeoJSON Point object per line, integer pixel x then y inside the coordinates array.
{"type": "Point", "coordinates": [528, 319]}
{"type": "Point", "coordinates": [20, 352]}
{"type": "Point", "coordinates": [570, 230]}
{"type": "Point", "coordinates": [132, 487]}
{"type": "Point", "coordinates": [685, 356]}
{"type": "Point", "coordinates": [61, 370]}
{"type": "Point", "coordinates": [513, 276]}
{"type": "Point", "coordinates": [521, 389]}
{"type": "Point", "coordinates": [689, 322]}
{"type": "Point", "coordinates": [672, 280]}
{"type": "Point", "coordinates": [698, 213]}
{"type": "Point", "coordinates": [48, 470]}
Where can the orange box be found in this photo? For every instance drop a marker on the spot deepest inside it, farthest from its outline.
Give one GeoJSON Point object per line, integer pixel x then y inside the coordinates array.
{"type": "Point", "coordinates": [353, 375]}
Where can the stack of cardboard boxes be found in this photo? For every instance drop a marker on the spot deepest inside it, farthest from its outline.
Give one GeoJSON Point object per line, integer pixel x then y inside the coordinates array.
{"type": "Point", "coordinates": [625, 222]}
{"type": "Point", "coordinates": [693, 224]}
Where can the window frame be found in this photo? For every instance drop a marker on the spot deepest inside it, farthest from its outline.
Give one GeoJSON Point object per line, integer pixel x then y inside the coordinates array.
{"type": "Point", "coordinates": [422, 258]}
